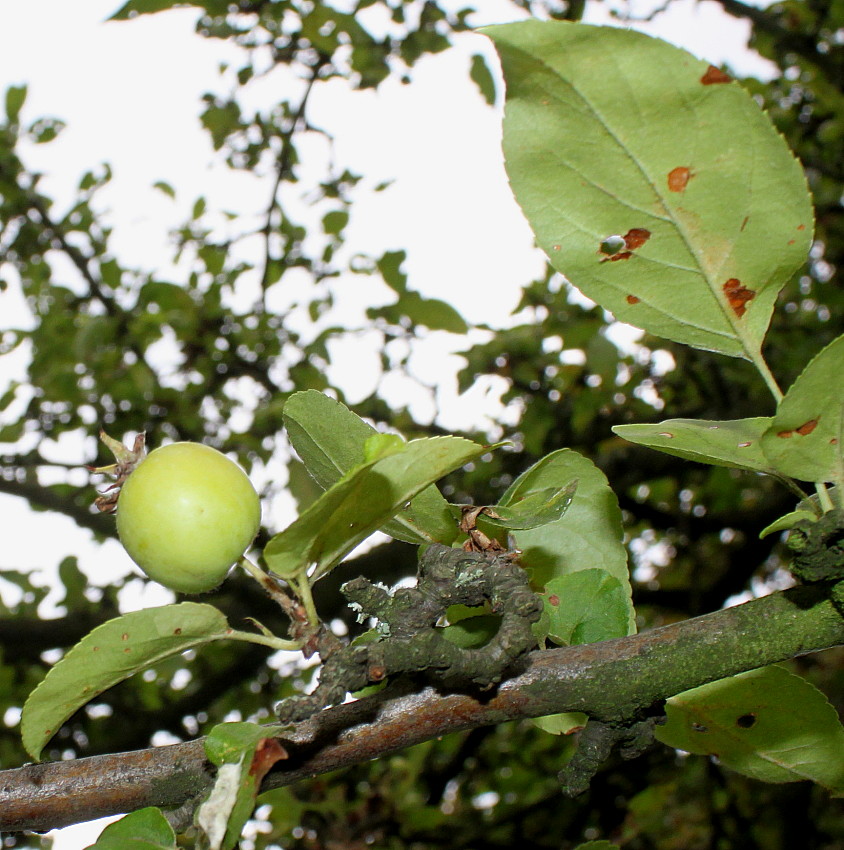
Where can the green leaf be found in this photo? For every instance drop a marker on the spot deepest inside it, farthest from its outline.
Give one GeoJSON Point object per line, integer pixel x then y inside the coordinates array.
{"type": "Point", "coordinates": [330, 440]}
{"type": "Point", "coordinates": [470, 627]}
{"type": "Point", "coordinates": [590, 532]}
{"type": "Point", "coordinates": [735, 442]}
{"type": "Point", "coordinates": [561, 724]}
{"type": "Point", "coordinates": [164, 187]}
{"type": "Point", "coordinates": [598, 845]}
{"type": "Point", "coordinates": [389, 264]}
{"type": "Point", "coordinates": [481, 76]}
{"type": "Point", "coordinates": [145, 829]}
{"type": "Point", "coordinates": [609, 133]}
{"type": "Point", "coordinates": [243, 753]}
{"type": "Point", "coordinates": [787, 521]}
{"type": "Point", "coordinates": [417, 310]}
{"type": "Point", "coordinates": [768, 724]}
{"type": "Point", "coordinates": [361, 502]}
{"type": "Point", "coordinates": [15, 99]}
{"type": "Point", "coordinates": [806, 438]}
{"type": "Point", "coordinates": [109, 654]}
{"type": "Point", "coordinates": [586, 607]}
{"type": "Point", "coordinates": [147, 7]}
{"type": "Point", "coordinates": [532, 510]}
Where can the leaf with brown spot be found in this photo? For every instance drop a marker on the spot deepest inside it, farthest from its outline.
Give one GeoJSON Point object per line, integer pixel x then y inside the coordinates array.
{"type": "Point", "coordinates": [807, 427]}
{"type": "Point", "coordinates": [678, 178]}
{"type": "Point", "coordinates": [636, 237]}
{"type": "Point", "coordinates": [804, 438]}
{"type": "Point", "coordinates": [733, 442]}
{"type": "Point", "coordinates": [81, 675]}
{"type": "Point", "coordinates": [632, 299]}
{"type": "Point", "coordinates": [738, 296]}
{"type": "Point", "coordinates": [768, 724]}
{"type": "Point", "coordinates": [589, 161]}
{"type": "Point", "coordinates": [714, 76]}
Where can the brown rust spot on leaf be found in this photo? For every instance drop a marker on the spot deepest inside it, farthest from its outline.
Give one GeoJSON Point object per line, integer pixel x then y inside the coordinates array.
{"type": "Point", "coordinates": [784, 435]}
{"type": "Point", "coordinates": [636, 237]}
{"type": "Point", "coordinates": [738, 296]}
{"type": "Point", "coordinates": [632, 299]}
{"type": "Point", "coordinates": [807, 427]}
{"type": "Point", "coordinates": [715, 75]}
{"type": "Point", "coordinates": [678, 178]}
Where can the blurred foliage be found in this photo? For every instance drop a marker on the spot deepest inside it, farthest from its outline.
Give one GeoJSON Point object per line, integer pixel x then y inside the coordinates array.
{"type": "Point", "coordinates": [94, 342]}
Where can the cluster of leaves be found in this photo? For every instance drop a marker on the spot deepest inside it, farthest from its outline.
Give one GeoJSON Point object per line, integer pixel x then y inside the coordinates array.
{"type": "Point", "coordinates": [565, 402]}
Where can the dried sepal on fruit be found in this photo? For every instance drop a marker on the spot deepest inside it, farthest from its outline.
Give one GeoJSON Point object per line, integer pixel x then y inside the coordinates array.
{"type": "Point", "coordinates": [126, 460]}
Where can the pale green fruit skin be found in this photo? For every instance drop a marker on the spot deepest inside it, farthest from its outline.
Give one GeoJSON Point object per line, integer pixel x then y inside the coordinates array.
{"type": "Point", "coordinates": [185, 514]}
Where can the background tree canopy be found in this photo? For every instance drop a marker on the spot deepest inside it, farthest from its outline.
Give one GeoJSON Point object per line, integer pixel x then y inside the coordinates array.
{"type": "Point", "coordinates": [93, 348]}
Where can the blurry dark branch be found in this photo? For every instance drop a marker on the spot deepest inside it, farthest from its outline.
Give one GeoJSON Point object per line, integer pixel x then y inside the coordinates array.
{"type": "Point", "coordinates": [79, 260]}
{"type": "Point", "coordinates": [25, 638]}
{"type": "Point", "coordinates": [613, 681]}
{"type": "Point", "coordinates": [284, 165]}
{"type": "Point", "coordinates": [803, 43]}
{"type": "Point", "coordinates": [45, 498]}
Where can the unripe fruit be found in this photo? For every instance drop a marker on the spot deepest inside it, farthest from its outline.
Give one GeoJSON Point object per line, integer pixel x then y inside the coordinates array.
{"type": "Point", "coordinates": [185, 514]}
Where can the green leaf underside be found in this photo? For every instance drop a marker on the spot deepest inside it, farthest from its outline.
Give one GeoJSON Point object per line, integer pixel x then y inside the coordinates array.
{"type": "Point", "coordinates": [330, 440]}
{"type": "Point", "coordinates": [561, 724]}
{"type": "Point", "coordinates": [227, 742]}
{"type": "Point", "coordinates": [735, 443]}
{"type": "Point", "coordinates": [361, 502]}
{"type": "Point", "coordinates": [787, 521]}
{"type": "Point", "coordinates": [146, 829]}
{"type": "Point", "coordinates": [109, 654]}
{"type": "Point", "coordinates": [533, 510]}
{"type": "Point", "coordinates": [608, 131]}
{"type": "Point", "coordinates": [244, 753]}
{"type": "Point", "coordinates": [806, 437]}
{"type": "Point", "coordinates": [586, 607]}
{"type": "Point", "coordinates": [589, 533]}
{"type": "Point", "coordinates": [768, 724]}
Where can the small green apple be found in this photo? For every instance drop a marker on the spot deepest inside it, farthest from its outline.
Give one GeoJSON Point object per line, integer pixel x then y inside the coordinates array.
{"type": "Point", "coordinates": [185, 514]}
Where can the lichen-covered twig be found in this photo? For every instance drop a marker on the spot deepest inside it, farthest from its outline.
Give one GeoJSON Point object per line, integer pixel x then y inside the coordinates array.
{"type": "Point", "coordinates": [411, 640]}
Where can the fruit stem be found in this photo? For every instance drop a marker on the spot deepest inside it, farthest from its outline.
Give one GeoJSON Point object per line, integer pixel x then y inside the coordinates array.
{"type": "Point", "coordinates": [268, 582]}
{"type": "Point", "coordinates": [302, 587]}
{"type": "Point", "coordinates": [823, 496]}
{"type": "Point", "coordinates": [265, 640]}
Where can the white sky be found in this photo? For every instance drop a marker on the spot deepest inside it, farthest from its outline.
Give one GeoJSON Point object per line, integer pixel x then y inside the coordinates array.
{"type": "Point", "coordinates": [130, 94]}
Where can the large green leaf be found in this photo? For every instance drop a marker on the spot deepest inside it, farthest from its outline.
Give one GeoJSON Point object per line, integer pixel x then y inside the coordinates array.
{"type": "Point", "coordinates": [330, 440]}
{"type": "Point", "coordinates": [243, 754]}
{"type": "Point", "coordinates": [658, 187]}
{"type": "Point", "coordinates": [586, 607]}
{"type": "Point", "coordinates": [806, 438]}
{"type": "Point", "coordinates": [109, 654]}
{"type": "Point", "coordinates": [768, 724]}
{"type": "Point", "coordinates": [588, 535]}
{"type": "Point", "coordinates": [362, 501]}
{"type": "Point", "coordinates": [145, 829]}
{"type": "Point", "coordinates": [734, 442]}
